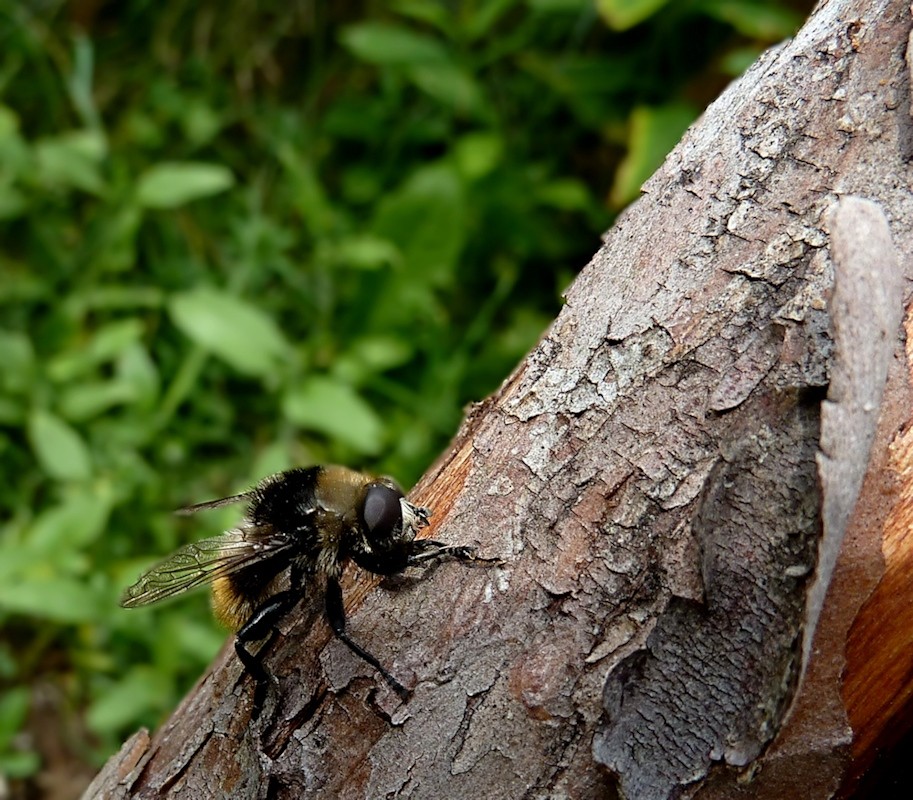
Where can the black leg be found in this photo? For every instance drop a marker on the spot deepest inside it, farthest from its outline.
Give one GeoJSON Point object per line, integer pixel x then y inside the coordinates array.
{"type": "Point", "coordinates": [336, 616]}
{"type": "Point", "coordinates": [262, 625]}
{"type": "Point", "coordinates": [430, 550]}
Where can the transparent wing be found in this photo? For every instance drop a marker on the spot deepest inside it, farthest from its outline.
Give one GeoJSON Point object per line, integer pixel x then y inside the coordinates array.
{"type": "Point", "coordinates": [202, 562]}
{"type": "Point", "coordinates": [223, 501]}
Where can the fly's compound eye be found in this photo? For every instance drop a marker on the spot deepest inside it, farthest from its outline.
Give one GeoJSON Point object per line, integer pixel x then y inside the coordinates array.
{"type": "Point", "coordinates": [382, 514]}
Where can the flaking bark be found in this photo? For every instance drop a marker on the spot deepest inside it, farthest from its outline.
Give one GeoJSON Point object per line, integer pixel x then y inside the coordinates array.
{"type": "Point", "coordinates": [690, 482]}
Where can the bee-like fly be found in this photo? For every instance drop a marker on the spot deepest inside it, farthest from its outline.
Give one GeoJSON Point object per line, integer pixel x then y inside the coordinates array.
{"type": "Point", "coordinates": [301, 527]}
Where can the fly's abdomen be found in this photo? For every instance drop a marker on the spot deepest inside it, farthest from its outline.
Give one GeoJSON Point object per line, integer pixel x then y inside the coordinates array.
{"type": "Point", "coordinates": [236, 597]}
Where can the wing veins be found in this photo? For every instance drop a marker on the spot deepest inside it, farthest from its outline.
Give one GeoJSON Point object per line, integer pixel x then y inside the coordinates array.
{"type": "Point", "coordinates": [202, 562]}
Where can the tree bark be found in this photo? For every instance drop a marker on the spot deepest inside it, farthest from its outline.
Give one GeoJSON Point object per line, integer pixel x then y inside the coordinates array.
{"type": "Point", "coordinates": [700, 484]}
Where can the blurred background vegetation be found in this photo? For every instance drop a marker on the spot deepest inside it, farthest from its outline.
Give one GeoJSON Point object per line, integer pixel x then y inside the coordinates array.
{"type": "Point", "coordinates": [240, 236]}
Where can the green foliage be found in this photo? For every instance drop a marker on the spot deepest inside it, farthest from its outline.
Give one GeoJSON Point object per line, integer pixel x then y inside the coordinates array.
{"type": "Point", "coordinates": [238, 237]}
{"type": "Point", "coordinates": [654, 131]}
{"type": "Point", "coordinates": [14, 706]}
{"type": "Point", "coordinates": [624, 14]}
{"type": "Point", "coordinates": [172, 185]}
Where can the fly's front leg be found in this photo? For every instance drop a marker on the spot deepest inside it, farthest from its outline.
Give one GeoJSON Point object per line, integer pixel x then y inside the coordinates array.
{"type": "Point", "coordinates": [336, 616]}
{"type": "Point", "coordinates": [430, 550]}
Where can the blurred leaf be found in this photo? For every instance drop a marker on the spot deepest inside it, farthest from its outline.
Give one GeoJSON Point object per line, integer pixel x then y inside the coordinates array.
{"type": "Point", "coordinates": [19, 561]}
{"type": "Point", "coordinates": [101, 346]}
{"type": "Point", "coordinates": [477, 154]}
{"type": "Point", "coordinates": [567, 195]}
{"type": "Point", "coordinates": [366, 252]}
{"type": "Point", "coordinates": [114, 243]}
{"type": "Point", "coordinates": [370, 356]}
{"type": "Point", "coordinates": [753, 19]}
{"type": "Point", "coordinates": [592, 85]}
{"type": "Point", "coordinates": [89, 399]}
{"type": "Point", "coordinates": [324, 406]}
{"type": "Point", "coordinates": [18, 360]}
{"type": "Point", "coordinates": [72, 161]}
{"type": "Point", "coordinates": [15, 155]}
{"type": "Point", "coordinates": [80, 81]}
{"type": "Point", "coordinates": [566, 6]}
{"type": "Point", "coordinates": [736, 61]}
{"type": "Point", "coordinates": [239, 333]}
{"type": "Point", "coordinates": [9, 123]}
{"type": "Point", "coordinates": [435, 14]}
{"type": "Point", "coordinates": [138, 690]}
{"type": "Point", "coordinates": [12, 412]}
{"type": "Point", "coordinates": [12, 202]}
{"type": "Point", "coordinates": [102, 297]}
{"type": "Point", "coordinates": [424, 218]}
{"type": "Point", "coordinates": [482, 17]}
{"type": "Point", "coordinates": [74, 524]}
{"type": "Point", "coordinates": [448, 84]}
{"type": "Point", "coordinates": [55, 598]}
{"type": "Point", "coordinates": [202, 641]}
{"type": "Point", "coordinates": [307, 193]}
{"type": "Point", "coordinates": [14, 708]}
{"type": "Point", "coordinates": [60, 450]}
{"type": "Point", "coordinates": [653, 134]}
{"type": "Point", "coordinates": [200, 122]}
{"type": "Point", "coordinates": [8, 665]}
{"type": "Point", "coordinates": [173, 184]}
{"type": "Point", "coordinates": [624, 14]}
{"type": "Point", "coordinates": [136, 369]}
{"type": "Point", "coordinates": [380, 353]}
{"type": "Point", "coordinates": [19, 763]}
{"type": "Point", "coordinates": [386, 44]}
{"type": "Point", "coordinates": [360, 184]}
{"type": "Point", "coordinates": [271, 459]}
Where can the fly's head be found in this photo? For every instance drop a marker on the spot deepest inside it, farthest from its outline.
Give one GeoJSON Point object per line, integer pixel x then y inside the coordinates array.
{"type": "Point", "coordinates": [387, 525]}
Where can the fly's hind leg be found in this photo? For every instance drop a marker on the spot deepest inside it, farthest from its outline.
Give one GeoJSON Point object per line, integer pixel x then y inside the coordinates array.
{"type": "Point", "coordinates": [262, 625]}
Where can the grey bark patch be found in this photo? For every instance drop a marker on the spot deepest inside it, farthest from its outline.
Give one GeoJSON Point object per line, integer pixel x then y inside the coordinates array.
{"type": "Point", "coordinates": [714, 679]}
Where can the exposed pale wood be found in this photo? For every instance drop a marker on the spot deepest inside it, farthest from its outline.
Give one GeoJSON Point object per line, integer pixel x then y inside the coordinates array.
{"type": "Point", "coordinates": [651, 477]}
{"type": "Point", "coordinates": [878, 690]}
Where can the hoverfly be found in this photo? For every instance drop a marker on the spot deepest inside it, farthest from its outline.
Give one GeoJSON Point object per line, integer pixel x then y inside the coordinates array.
{"type": "Point", "coordinates": [300, 529]}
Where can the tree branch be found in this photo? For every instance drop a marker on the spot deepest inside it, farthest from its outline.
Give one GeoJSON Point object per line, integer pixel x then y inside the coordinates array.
{"type": "Point", "coordinates": [689, 528]}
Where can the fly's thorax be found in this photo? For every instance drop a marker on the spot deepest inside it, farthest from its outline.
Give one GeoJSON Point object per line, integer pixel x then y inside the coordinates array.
{"type": "Point", "coordinates": [338, 495]}
{"type": "Point", "coordinates": [287, 501]}
{"type": "Point", "coordinates": [316, 507]}
{"type": "Point", "coordinates": [339, 490]}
